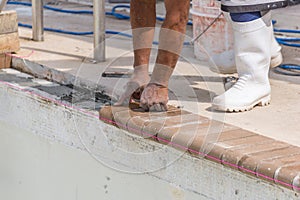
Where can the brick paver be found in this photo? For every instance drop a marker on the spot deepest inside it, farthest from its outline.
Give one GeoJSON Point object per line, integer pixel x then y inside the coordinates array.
{"type": "Point", "coordinates": [249, 152]}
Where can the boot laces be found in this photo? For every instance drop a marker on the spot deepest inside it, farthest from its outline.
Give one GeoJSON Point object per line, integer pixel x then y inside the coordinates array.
{"type": "Point", "coordinates": [240, 84]}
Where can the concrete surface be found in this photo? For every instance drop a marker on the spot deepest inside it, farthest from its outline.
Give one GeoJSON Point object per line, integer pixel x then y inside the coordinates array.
{"type": "Point", "coordinates": [52, 149]}
{"type": "Point", "coordinates": [72, 56]}
{"type": "Point", "coordinates": [39, 169]}
{"type": "Point", "coordinates": [37, 107]}
{"type": "Point", "coordinates": [9, 37]}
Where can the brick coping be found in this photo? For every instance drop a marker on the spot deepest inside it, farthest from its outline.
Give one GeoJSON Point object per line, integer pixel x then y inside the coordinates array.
{"type": "Point", "coordinates": [253, 154]}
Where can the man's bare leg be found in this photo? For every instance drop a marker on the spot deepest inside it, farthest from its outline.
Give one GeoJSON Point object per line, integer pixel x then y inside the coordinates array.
{"type": "Point", "coordinates": [155, 95]}
{"type": "Point", "coordinates": [143, 19]}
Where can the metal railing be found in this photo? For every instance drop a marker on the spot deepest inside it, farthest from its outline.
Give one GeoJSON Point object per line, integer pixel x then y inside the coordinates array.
{"type": "Point", "coordinates": [99, 26]}
{"type": "Point", "coordinates": [99, 30]}
{"type": "Point", "coordinates": [2, 5]}
{"type": "Point", "coordinates": [37, 20]}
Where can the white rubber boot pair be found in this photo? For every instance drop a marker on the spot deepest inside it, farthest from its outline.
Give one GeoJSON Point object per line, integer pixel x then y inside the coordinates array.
{"type": "Point", "coordinates": [252, 42]}
{"type": "Point", "coordinates": [276, 56]}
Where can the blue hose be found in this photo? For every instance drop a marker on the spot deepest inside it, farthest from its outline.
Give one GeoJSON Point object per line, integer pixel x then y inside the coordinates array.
{"type": "Point", "coordinates": [290, 67]}
{"type": "Point", "coordinates": [282, 41]}
{"type": "Point", "coordinates": [77, 33]}
{"type": "Point", "coordinates": [286, 31]}
{"type": "Point", "coordinates": [87, 32]}
{"type": "Point", "coordinates": [68, 11]}
{"type": "Point", "coordinates": [57, 30]}
{"type": "Point", "coordinates": [287, 41]}
{"type": "Point", "coordinates": [126, 17]}
{"type": "Point", "coordinates": [112, 13]}
{"type": "Point", "coordinates": [19, 3]}
{"type": "Point", "coordinates": [118, 15]}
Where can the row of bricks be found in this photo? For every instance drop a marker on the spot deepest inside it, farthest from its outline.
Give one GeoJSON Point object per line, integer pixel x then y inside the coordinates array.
{"type": "Point", "coordinates": [237, 148]}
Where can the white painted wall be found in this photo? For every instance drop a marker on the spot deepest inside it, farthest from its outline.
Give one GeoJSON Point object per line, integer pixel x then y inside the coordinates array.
{"type": "Point", "coordinates": [33, 168]}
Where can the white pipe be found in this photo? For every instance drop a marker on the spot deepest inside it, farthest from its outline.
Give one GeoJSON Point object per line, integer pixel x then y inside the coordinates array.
{"type": "Point", "coordinates": [2, 5]}
{"type": "Point", "coordinates": [99, 30]}
{"type": "Point", "coordinates": [37, 20]}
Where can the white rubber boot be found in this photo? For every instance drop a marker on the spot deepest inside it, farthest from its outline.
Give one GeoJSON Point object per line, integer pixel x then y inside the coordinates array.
{"type": "Point", "coordinates": [276, 55]}
{"type": "Point", "coordinates": [253, 55]}
{"type": "Point", "coordinates": [228, 58]}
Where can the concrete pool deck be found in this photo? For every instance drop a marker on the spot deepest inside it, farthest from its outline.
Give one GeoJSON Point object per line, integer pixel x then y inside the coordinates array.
{"type": "Point", "coordinates": [71, 55]}
{"type": "Point", "coordinates": [44, 133]}
{"type": "Point", "coordinates": [67, 60]}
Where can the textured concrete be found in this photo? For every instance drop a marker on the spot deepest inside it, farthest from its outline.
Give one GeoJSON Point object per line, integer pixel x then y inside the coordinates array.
{"type": "Point", "coordinates": [52, 139]}
{"type": "Point", "coordinates": [80, 176]}
{"type": "Point", "coordinates": [67, 60]}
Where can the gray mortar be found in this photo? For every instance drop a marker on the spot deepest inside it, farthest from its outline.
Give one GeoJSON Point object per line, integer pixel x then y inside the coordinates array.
{"type": "Point", "coordinates": [81, 97]}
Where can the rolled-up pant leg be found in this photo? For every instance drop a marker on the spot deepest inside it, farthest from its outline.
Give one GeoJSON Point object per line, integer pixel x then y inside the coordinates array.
{"type": "Point", "coordinates": [245, 17]}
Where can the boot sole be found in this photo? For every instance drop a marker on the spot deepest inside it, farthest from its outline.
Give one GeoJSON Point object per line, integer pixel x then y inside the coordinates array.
{"type": "Point", "coordinates": [261, 102]}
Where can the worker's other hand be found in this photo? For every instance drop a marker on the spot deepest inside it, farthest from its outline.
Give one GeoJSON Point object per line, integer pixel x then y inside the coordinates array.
{"type": "Point", "coordinates": [134, 88]}
{"type": "Point", "coordinates": [133, 92]}
{"type": "Point", "coordinates": [154, 98]}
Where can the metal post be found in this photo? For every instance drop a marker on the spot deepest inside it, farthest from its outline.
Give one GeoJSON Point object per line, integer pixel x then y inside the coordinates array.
{"type": "Point", "coordinates": [2, 5]}
{"type": "Point", "coordinates": [99, 30]}
{"type": "Point", "coordinates": [37, 20]}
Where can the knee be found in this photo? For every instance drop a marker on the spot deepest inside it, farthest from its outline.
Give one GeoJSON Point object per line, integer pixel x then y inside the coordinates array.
{"type": "Point", "coordinates": [176, 20]}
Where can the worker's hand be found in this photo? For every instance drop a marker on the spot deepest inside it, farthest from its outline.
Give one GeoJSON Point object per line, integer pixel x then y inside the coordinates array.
{"type": "Point", "coordinates": [134, 88]}
{"type": "Point", "coordinates": [133, 92]}
{"type": "Point", "coordinates": [154, 98]}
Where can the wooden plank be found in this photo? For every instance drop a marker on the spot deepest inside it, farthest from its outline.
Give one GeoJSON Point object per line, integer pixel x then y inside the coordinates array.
{"type": "Point", "coordinates": [8, 22]}
{"type": "Point", "coordinates": [9, 42]}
